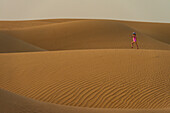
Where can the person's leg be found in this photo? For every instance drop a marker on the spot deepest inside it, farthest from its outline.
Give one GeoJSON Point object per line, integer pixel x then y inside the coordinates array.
{"type": "Point", "coordinates": [137, 45]}
{"type": "Point", "coordinates": [132, 44]}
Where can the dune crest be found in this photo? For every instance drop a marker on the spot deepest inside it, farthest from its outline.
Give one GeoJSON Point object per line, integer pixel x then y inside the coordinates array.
{"type": "Point", "coordinates": [11, 25]}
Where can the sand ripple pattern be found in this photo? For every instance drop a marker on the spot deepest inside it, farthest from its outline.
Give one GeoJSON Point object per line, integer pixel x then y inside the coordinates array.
{"type": "Point", "coordinates": [90, 78]}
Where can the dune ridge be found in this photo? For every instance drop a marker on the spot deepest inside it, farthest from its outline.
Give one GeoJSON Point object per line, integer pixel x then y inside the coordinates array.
{"type": "Point", "coordinates": [10, 25]}
{"type": "Point", "coordinates": [80, 66]}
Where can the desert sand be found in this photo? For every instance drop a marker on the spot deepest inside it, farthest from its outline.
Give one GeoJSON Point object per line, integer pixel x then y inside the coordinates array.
{"type": "Point", "coordinates": [81, 66]}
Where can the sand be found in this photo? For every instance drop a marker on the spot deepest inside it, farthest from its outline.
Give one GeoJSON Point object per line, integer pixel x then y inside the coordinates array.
{"type": "Point", "coordinates": [10, 44]}
{"type": "Point", "coordinates": [80, 66]}
{"type": "Point", "coordinates": [85, 34]}
{"type": "Point", "coordinates": [12, 103]}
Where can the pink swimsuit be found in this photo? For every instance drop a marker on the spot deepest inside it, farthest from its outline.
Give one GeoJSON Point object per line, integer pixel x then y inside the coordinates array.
{"type": "Point", "coordinates": [134, 39]}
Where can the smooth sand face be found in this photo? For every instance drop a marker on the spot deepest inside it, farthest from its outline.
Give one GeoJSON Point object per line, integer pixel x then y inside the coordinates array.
{"type": "Point", "coordinates": [91, 34]}
{"type": "Point", "coordinates": [99, 70]}
{"type": "Point", "coordinates": [11, 44]}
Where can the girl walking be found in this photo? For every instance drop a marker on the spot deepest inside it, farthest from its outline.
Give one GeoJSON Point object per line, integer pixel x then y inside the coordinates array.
{"type": "Point", "coordinates": [134, 40]}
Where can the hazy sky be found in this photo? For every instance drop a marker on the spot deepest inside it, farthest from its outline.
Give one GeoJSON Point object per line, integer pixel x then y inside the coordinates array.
{"type": "Point", "coordinates": [142, 10]}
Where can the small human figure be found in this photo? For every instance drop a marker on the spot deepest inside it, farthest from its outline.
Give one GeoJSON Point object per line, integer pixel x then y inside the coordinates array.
{"type": "Point", "coordinates": [134, 40]}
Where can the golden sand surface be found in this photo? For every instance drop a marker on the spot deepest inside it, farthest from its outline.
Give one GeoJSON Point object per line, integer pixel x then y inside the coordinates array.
{"type": "Point", "coordinates": [84, 66]}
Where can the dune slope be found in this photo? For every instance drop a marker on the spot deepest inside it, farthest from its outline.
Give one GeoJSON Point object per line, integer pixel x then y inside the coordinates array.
{"type": "Point", "coordinates": [85, 34]}
{"type": "Point", "coordinates": [10, 25]}
{"type": "Point", "coordinates": [96, 78]}
{"type": "Point", "coordinates": [159, 31]}
{"type": "Point", "coordinates": [10, 44]}
{"type": "Point", "coordinates": [12, 103]}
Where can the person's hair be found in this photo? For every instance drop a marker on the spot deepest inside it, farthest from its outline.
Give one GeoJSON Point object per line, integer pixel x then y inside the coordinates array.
{"type": "Point", "coordinates": [134, 33]}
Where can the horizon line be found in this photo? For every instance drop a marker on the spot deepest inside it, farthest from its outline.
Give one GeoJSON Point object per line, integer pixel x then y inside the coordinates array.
{"type": "Point", "coordinates": [130, 20]}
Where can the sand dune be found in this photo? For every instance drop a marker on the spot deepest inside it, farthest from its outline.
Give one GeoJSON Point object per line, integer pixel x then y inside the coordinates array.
{"type": "Point", "coordinates": [85, 34]}
{"type": "Point", "coordinates": [159, 31]}
{"type": "Point", "coordinates": [12, 103]}
{"type": "Point", "coordinates": [97, 73]}
{"type": "Point", "coordinates": [90, 78]}
{"type": "Point", "coordinates": [9, 25]}
{"type": "Point", "coordinates": [11, 44]}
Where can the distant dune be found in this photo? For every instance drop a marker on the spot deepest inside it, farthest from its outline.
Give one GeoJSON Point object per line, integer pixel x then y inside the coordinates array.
{"type": "Point", "coordinates": [86, 34]}
{"type": "Point", "coordinates": [9, 25]}
{"type": "Point", "coordinates": [12, 44]}
{"type": "Point", "coordinates": [158, 31]}
{"type": "Point", "coordinates": [97, 72]}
